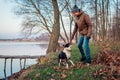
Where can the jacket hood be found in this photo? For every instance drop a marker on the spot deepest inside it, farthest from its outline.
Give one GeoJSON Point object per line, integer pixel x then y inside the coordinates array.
{"type": "Point", "coordinates": [81, 11]}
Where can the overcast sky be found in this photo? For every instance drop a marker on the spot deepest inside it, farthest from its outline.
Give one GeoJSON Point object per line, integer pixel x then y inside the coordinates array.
{"type": "Point", "coordinates": [9, 22]}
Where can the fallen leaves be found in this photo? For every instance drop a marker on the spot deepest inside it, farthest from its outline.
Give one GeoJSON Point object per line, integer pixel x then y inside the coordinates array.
{"type": "Point", "coordinates": [37, 75]}
{"type": "Point", "coordinates": [64, 72]}
{"type": "Point", "coordinates": [110, 62]}
{"type": "Point", "coordinates": [43, 60]}
{"type": "Point", "coordinates": [79, 65]}
{"type": "Point", "coordinates": [63, 75]}
{"type": "Point", "coordinates": [72, 66]}
{"type": "Point", "coordinates": [56, 68]}
{"type": "Point", "coordinates": [20, 75]}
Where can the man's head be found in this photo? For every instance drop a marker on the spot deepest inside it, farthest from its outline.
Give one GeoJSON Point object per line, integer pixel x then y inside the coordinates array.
{"type": "Point", "coordinates": [75, 10]}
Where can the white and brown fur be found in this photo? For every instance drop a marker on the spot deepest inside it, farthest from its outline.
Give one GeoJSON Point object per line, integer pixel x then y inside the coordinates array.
{"type": "Point", "coordinates": [65, 55]}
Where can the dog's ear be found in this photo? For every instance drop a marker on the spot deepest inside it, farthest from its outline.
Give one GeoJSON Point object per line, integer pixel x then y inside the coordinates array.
{"type": "Point", "coordinates": [63, 45]}
{"type": "Point", "coordinates": [67, 45]}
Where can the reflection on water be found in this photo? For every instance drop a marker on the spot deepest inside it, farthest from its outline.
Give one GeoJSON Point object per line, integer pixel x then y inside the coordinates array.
{"type": "Point", "coordinates": [19, 48]}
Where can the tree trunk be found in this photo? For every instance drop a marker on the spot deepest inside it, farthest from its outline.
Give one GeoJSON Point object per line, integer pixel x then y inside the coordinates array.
{"type": "Point", "coordinates": [96, 18]}
{"type": "Point", "coordinates": [117, 22]}
{"type": "Point", "coordinates": [56, 29]}
{"type": "Point", "coordinates": [103, 21]}
{"type": "Point", "coordinates": [107, 15]}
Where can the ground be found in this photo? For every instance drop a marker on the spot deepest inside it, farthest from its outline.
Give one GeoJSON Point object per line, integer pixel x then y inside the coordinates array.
{"type": "Point", "coordinates": [105, 66]}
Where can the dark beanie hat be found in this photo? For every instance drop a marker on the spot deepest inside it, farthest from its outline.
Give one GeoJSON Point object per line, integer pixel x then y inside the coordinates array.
{"type": "Point", "coordinates": [75, 9]}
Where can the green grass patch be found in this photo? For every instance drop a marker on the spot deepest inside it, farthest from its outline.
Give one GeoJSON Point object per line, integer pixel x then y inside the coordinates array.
{"type": "Point", "coordinates": [47, 72]}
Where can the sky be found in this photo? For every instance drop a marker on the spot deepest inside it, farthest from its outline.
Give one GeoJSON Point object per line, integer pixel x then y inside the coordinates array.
{"type": "Point", "coordinates": [9, 22]}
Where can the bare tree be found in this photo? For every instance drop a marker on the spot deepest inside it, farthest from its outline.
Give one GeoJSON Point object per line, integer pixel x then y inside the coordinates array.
{"type": "Point", "coordinates": [56, 29]}
{"type": "Point", "coordinates": [34, 15]}
{"type": "Point", "coordinates": [38, 16]}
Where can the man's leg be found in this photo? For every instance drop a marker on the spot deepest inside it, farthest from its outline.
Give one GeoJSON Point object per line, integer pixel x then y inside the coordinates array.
{"type": "Point", "coordinates": [87, 49]}
{"type": "Point", "coordinates": [80, 43]}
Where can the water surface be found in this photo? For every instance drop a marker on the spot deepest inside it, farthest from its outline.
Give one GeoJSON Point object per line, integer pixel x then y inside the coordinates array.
{"type": "Point", "coordinates": [20, 48]}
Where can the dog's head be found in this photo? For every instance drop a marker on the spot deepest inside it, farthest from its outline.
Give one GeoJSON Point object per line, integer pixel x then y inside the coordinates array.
{"type": "Point", "coordinates": [67, 46]}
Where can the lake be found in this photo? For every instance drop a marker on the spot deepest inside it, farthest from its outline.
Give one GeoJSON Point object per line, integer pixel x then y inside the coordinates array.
{"type": "Point", "coordinates": [20, 48]}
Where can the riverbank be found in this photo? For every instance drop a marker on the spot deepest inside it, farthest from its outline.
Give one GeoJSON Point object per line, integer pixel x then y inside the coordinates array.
{"type": "Point", "coordinates": [20, 75]}
{"type": "Point", "coordinates": [42, 70]}
{"type": "Point", "coordinates": [97, 70]}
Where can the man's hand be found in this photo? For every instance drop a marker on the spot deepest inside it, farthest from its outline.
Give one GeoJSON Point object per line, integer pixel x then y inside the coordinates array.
{"type": "Point", "coordinates": [88, 37]}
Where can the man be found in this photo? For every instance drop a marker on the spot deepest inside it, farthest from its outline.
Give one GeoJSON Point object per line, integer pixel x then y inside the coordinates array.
{"type": "Point", "coordinates": [83, 24]}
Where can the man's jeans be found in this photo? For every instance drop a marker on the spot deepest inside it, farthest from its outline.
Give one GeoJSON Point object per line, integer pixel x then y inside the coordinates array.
{"type": "Point", "coordinates": [83, 40]}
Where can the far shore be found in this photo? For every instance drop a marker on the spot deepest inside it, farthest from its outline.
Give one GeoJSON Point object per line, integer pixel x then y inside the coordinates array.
{"type": "Point", "coordinates": [22, 41]}
{"type": "Point", "coordinates": [41, 42]}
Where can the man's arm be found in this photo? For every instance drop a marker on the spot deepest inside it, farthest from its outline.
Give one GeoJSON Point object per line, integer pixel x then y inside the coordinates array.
{"type": "Point", "coordinates": [74, 31]}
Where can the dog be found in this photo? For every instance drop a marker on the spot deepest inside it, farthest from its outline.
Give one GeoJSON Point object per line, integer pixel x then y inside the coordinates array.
{"type": "Point", "coordinates": [65, 55]}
